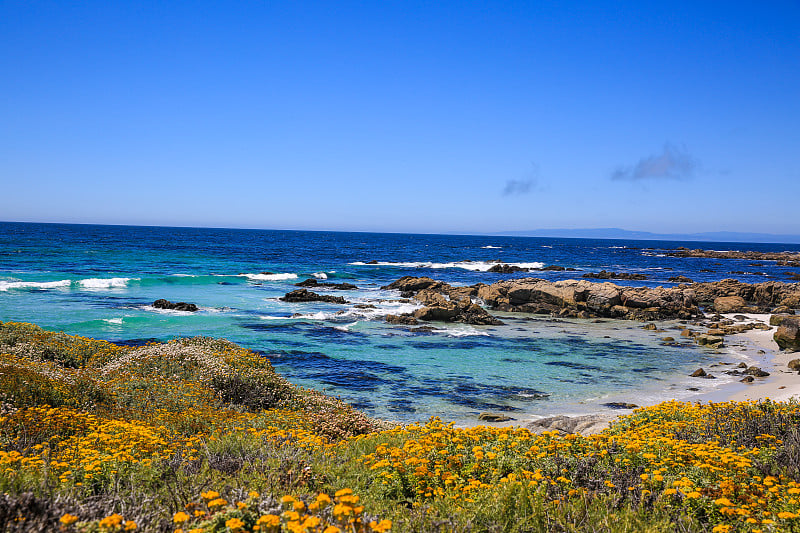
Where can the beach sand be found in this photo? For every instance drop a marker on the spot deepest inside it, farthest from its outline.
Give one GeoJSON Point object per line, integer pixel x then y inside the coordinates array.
{"type": "Point", "coordinates": [782, 383]}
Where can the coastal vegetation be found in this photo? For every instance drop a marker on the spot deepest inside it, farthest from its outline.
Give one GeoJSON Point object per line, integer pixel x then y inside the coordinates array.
{"type": "Point", "coordinates": [201, 435]}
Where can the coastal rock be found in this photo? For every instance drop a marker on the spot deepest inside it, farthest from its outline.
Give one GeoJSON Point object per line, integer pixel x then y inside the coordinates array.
{"type": "Point", "coordinates": [783, 258]}
{"type": "Point", "coordinates": [699, 373]}
{"type": "Point", "coordinates": [731, 304]}
{"type": "Point", "coordinates": [788, 334]}
{"type": "Point", "coordinates": [620, 405]}
{"type": "Point", "coordinates": [161, 303]}
{"type": "Point", "coordinates": [747, 379]}
{"type": "Point", "coordinates": [494, 417]}
{"type": "Point", "coordinates": [757, 372]}
{"type": "Point", "coordinates": [766, 295]}
{"type": "Point", "coordinates": [304, 295]}
{"type": "Point", "coordinates": [584, 425]}
{"type": "Point", "coordinates": [679, 279]}
{"type": "Point", "coordinates": [311, 282]}
{"type": "Point", "coordinates": [777, 320]}
{"type": "Point", "coordinates": [406, 320]}
{"type": "Point", "coordinates": [794, 364]}
{"type": "Point", "coordinates": [614, 275]}
{"type": "Point", "coordinates": [503, 268]}
{"type": "Point", "coordinates": [411, 284]}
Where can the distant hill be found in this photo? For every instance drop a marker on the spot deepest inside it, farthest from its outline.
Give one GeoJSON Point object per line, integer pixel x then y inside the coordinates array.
{"type": "Point", "coordinates": [616, 233]}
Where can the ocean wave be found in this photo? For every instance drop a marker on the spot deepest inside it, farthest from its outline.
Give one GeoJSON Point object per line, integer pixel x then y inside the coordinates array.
{"type": "Point", "coordinates": [320, 275]}
{"type": "Point", "coordinates": [9, 285]}
{"type": "Point", "coordinates": [345, 327]}
{"type": "Point", "coordinates": [475, 266]}
{"type": "Point", "coordinates": [490, 247]}
{"type": "Point", "coordinates": [467, 331]}
{"type": "Point", "coordinates": [270, 277]}
{"type": "Point", "coordinates": [116, 321]}
{"type": "Point", "coordinates": [104, 283]}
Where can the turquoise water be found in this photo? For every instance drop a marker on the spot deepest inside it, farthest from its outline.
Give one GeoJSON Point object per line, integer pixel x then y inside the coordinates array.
{"type": "Point", "coordinates": [100, 281]}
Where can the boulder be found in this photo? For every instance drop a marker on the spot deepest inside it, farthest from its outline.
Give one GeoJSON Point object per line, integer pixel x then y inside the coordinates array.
{"type": "Point", "coordinates": [614, 275]}
{"type": "Point", "coordinates": [679, 279]}
{"type": "Point", "coordinates": [699, 373]}
{"type": "Point", "coordinates": [777, 320]}
{"type": "Point", "coordinates": [407, 320]}
{"type": "Point", "coordinates": [747, 379]}
{"type": "Point", "coordinates": [311, 282]}
{"type": "Point", "coordinates": [794, 364]}
{"type": "Point", "coordinates": [503, 268]}
{"type": "Point", "coordinates": [161, 303]}
{"type": "Point", "coordinates": [731, 304]}
{"type": "Point", "coordinates": [304, 295]}
{"type": "Point", "coordinates": [620, 405]}
{"type": "Point", "coordinates": [757, 372]}
{"type": "Point", "coordinates": [494, 417]}
{"type": "Point", "coordinates": [412, 284]}
{"type": "Point", "coordinates": [788, 334]}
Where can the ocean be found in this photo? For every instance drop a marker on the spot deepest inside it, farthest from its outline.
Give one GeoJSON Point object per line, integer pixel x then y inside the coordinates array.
{"type": "Point", "coordinates": [101, 282]}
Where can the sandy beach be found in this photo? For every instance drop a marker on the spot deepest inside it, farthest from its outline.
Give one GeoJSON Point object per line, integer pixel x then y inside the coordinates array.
{"type": "Point", "coordinates": [782, 384]}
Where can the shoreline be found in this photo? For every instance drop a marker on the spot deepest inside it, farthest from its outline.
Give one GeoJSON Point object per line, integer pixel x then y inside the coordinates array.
{"type": "Point", "coordinates": [781, 385]}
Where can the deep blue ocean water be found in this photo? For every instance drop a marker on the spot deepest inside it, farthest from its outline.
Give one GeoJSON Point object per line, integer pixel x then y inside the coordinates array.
{"type": "Point", "coordinates": [101, 281]}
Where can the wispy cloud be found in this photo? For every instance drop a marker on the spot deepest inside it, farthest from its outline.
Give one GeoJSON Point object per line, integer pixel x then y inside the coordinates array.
{"type": "Point", "coordinates": [672, 163]}
{"type": "Point", "coordinates": [527, 184]}
{"type": "Point", "coordinates": [517, 187]}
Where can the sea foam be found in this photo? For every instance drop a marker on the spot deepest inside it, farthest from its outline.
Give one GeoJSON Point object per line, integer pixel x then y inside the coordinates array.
{"type": "Point", "coordinates": [104, 283]}
{"type": "Point", "coordinates": [9, 285]}
{"type": "Point", "coordinates": [270, 277]}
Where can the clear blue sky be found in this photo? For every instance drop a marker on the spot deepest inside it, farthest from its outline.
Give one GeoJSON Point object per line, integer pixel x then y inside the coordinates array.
{"type": "Point", "coordinates": [402, 116]}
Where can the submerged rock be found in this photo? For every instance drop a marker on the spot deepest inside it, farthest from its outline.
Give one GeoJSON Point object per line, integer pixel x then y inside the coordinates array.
{"type": "Point", "coordinates": [161, 303]}
{"type": "Point", "coordinates": [311, 282]}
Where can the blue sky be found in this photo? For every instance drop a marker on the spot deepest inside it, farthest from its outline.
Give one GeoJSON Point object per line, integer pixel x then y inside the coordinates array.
{"type": "Point", "coordinates": [402, 116]}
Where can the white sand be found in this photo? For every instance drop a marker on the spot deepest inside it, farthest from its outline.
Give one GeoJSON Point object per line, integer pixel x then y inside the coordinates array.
{"type": "Point", "coordinates": [782, 383]}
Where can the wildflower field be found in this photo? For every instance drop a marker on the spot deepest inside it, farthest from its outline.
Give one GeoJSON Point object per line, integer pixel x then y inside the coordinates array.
{"type": "Point", "coordinates": [200, 435]}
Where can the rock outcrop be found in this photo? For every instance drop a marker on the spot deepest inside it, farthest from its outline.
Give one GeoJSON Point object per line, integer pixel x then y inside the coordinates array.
{"type": "Point", "coordinates": [311, 282]}
{"type": "Point", "coordinates": [585, 299]}
{"type": "Point", "coordinates": [614, 275]}
{"type": "Point", "coordinates": [161, 303]}
{"type": "Point", "coordinates": [781, 257]}
{"type": "Point", "coordinates": [788, 334]}
{"type": "Point", "coordinates": [761, 296]}
{"type": "Point", "coordinates": [304, 295]}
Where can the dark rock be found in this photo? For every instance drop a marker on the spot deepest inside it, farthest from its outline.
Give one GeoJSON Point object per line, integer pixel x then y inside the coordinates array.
{"type": "Point", "coordinates": [699, 373]}
{"type": "Point", "coordinates": [788, 334]}
{"type": "Point", "coordinates": [757, 372]}
{"type": "Point", "coordinates": [679, 279]}
{"type": "Point", "coordinates": [304, 295]}
{"type": "Point", "coordinates": [174, 306]}
{"type": "Point", "coordinates": [494, 417]}
{"type": "Point", "coordinates": [311, 282]}
{"type": "Point", "coordinates": [668, 339]}
{"type": "Point", "coordinates": [651, 327]}
{"type": "Point", "coordinates": [777, 320]}
{"type": "Point", "coordinates": [741, 365]}
{"type": "Point", "coordinates": [747, 379]}
{"type": "Point", "coordinates": [373, 262]}
{"type": "Point", "coordinates": [364, 306]}
{"type": "Point", "coordinates": [693, 389]}
{"type": "Point", "coordinates": [794, 364]}
{"type": "Point", "coordinates": [503, 268]}
{"type": "Point", "coordinates": [614, 275]}
{"type": "Point", "coordinates": [620, 405]}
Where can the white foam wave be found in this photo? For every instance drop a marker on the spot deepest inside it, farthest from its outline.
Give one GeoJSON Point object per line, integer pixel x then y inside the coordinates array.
{"type": "Point", "coordinates": [490, 247]}
{"type": "Point", "coordinates": [345, 327]}
{"type": "Point", "coordinates": [104, 283]}
{"type": "Point", "coordinates": [475, 266]}
{"type": "Point", "coordinates": [113, 320]}
{"type": "Point", "coordinates": [320, 275]}
{"type": "Point", "coordinates": [462, 332]}
{"type": "Point", "coordinates": [173, 312]}
{"type": "Point", "coordinates": [268, 317]}
{"type": "Point", "coordinates": [270, 277]}
{"type": "Point", "coordinates": [9, 285]}
{"type": "Point", "coordinates": [315, 316]}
